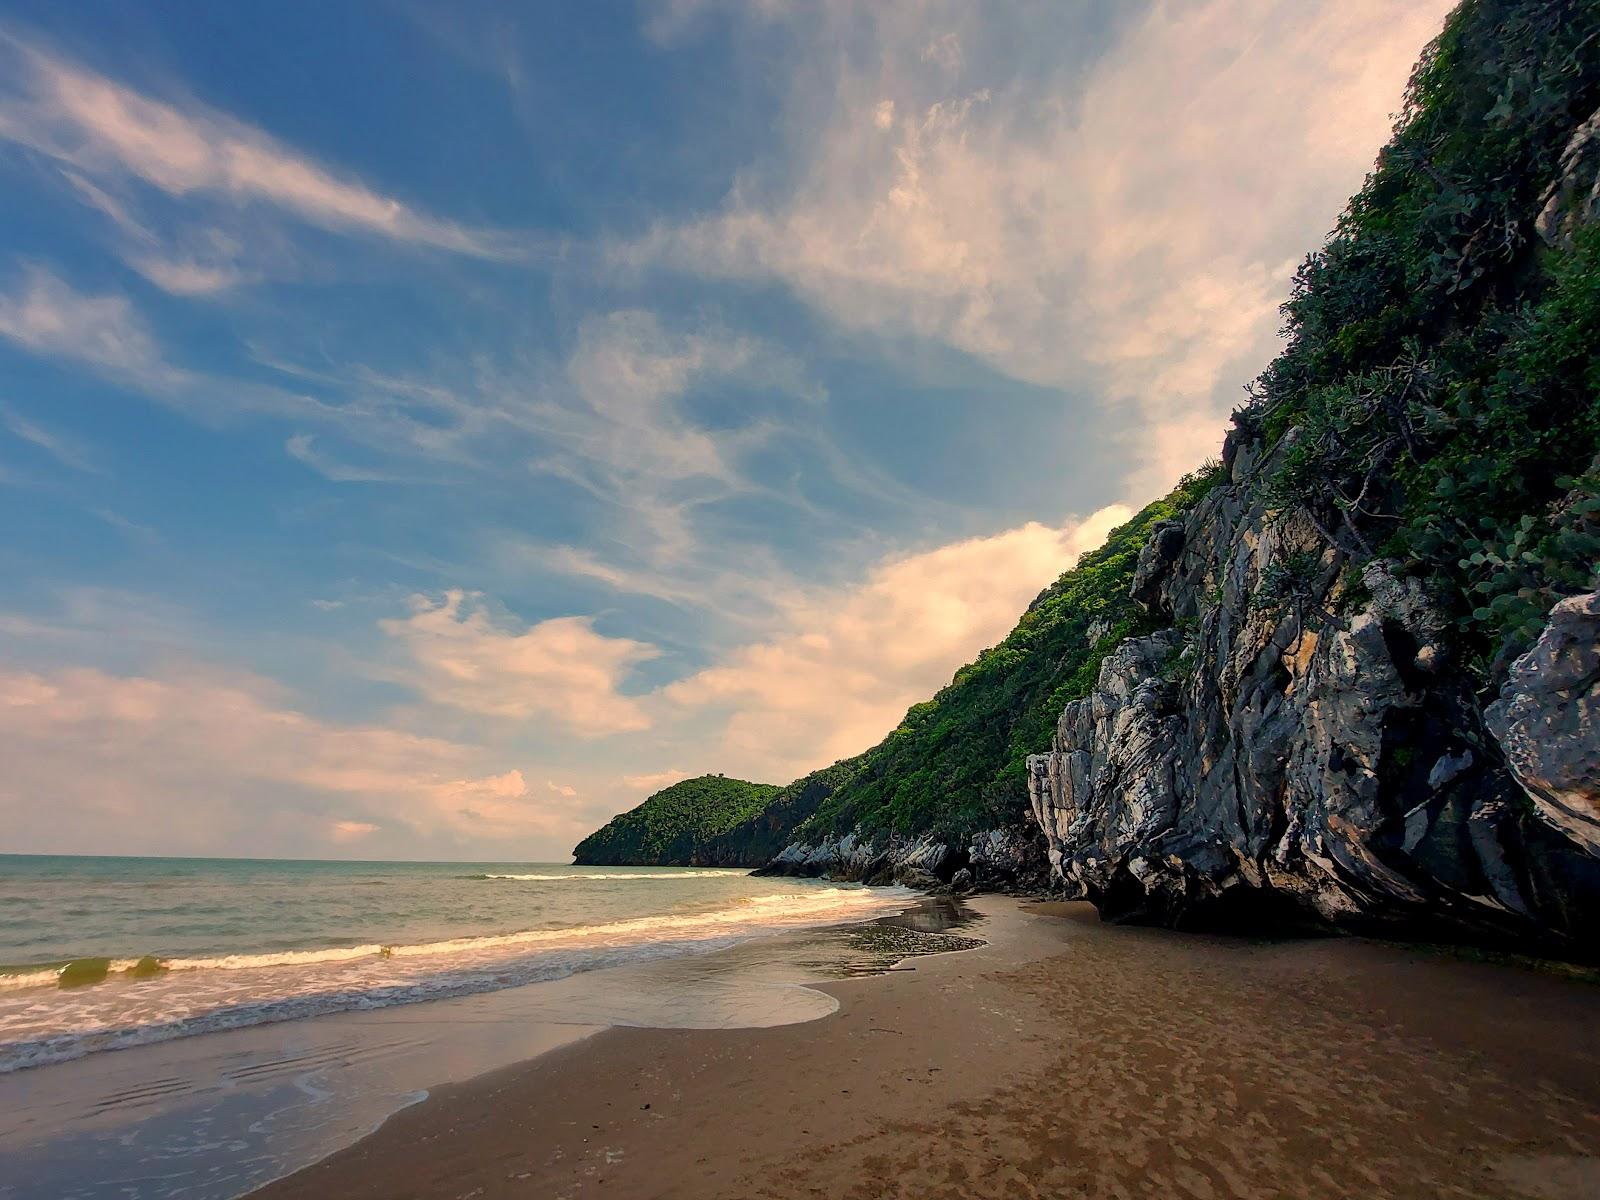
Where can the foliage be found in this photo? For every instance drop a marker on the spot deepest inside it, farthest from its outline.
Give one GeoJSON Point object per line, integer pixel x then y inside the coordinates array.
{"type": "Point", "coordinates": [957, 762]}
{"type": "Point", "coordinates": [675, 824]}
{"type": "Point", "coordinates": [1439, 397]}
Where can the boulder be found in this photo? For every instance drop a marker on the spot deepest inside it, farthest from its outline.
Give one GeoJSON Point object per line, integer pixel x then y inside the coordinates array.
{"type": "Point", "coordinates": [1547, 721]}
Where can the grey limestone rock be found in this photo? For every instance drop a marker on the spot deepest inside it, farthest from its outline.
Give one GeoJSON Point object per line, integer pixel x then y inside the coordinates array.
{"type": "Point", "coordinates": [1547, 721]}
{"type": "Point", "coordinates": [1315, 759]}
{"type": "Point", "coordinates": [1574, 199]}
{"type": "Point", "coordinates": [1010, 859]}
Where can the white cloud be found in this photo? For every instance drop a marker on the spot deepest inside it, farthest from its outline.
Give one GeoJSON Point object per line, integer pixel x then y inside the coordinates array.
{"type": "Point", "coordinates": [617, 429]}
{"type": "Point", "coordinates": [302, 448]}
{"type": "Point", "coordinates": [945, 51]}
{"type": "Point", "coordinates": [195, 260]}
{"type": "Point", "coordinates": [1130, 228]}
{"type": "Point", "coordinates": [198, 761]}
{"type": "Point", "coordinates": [47, 316]}
{"type": "Point", "coordinates": [560, 670]}
{"type": "Point", "coordinates": [670, 19]}
{"type": "Point", "coordinates": [627, 376]}
{"type": "Point", "coordinates": [133, 530]}
{"type": "Point", "coordinates": [103, 332]}
{"type": "Point", "coordinates": [611, 418]}
{"type": "Point", "coordinates": [185, 277]}
{"type": "Point", "coordinates": [845, 665]}
{"type": "Point", "coordinates": [64, 448]}
{"type": "Point", "coordinates": [100, 127]}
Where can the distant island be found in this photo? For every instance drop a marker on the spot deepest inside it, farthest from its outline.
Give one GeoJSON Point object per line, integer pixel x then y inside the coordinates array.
{"type": "Point", "coordinates": [679, 825]}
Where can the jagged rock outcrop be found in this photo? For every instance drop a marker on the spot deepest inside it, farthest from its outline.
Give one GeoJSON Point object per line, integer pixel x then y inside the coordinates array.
{"type": "Point", "coordinates": [1011, 859]}
{"type": "Point", "coordinates": [1573, 200]}
{"type": "Point", "coordinates": [995, 859]}
{"type": "Point", "coordinates": [1547, 720]}
{"type": "Point", "coordinates": [1308, 753]}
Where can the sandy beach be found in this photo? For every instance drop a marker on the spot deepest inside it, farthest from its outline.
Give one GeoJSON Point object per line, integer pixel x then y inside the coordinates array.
{"type": "Point", "coordinates": [1062, 1058]}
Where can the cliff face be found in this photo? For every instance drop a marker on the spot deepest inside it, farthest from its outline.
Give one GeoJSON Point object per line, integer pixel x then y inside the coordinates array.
{"type": "Point", "coordinates": [1324, 761]}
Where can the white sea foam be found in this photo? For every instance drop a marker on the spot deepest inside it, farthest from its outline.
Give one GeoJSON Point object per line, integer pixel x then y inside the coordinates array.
{"type": "Point", "coordinates": [634, 876]}
{"type": "Point", "coordinates": [40, 1024]}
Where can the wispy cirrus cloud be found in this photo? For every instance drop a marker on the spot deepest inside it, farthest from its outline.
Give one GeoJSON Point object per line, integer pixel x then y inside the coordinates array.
{"type": "Point", "coordinates": [187, 276]}
{"type": "Point", "coordinates": [609, 418]}
{"type": "Point", "coordinates": [1127, 225]}
{"type": "Point", "coordinates": [302, 448]}
{"type": "Point", "coordinates": [66, 449]}
{"type": "Point", "coordinates": [104, 333]}
{"type": "Point", "coordinates": [96, 126]}
{"type": "Point", "coordinates": [619, 429]}
{"type": "Point", "coordinates": [194, 259]}
{"type": "Point", "coordinates": [46, 315]}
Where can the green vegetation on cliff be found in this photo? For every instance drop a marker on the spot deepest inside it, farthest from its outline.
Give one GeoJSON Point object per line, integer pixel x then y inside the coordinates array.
{"type": "Point", "coordinates": [676, 824]}
{"type": "Point", "coordinates": [1442, 379]}
{"type": "Point", "coordinates": [956, 763]}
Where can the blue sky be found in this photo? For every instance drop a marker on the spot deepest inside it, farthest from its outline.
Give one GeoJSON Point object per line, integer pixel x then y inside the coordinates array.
{"type": "Point", "coordinates": [427, 429]}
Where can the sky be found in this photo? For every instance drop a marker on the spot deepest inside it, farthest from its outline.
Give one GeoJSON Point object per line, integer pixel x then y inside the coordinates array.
{"type": "Point", "coordinates": [427, 429]}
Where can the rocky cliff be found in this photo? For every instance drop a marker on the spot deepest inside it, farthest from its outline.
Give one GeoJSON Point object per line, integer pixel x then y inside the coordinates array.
{"type": "Point", "coordinates": [1373, 697]}
{"type": "Point", "coordinates": [1325, 762]}
{"type": "Point", "coordinates": [1346, 676]}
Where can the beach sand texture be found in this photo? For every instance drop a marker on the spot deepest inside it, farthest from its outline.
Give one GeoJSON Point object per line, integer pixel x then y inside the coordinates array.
{"type": "Point", "coordinates": [1063, 1059]}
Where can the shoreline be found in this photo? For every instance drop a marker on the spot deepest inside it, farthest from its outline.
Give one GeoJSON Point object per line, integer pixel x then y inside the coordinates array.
{"type": "Point", "coordinates": [197, 992]}
{"type": "Point", "coordinates": [219, 1114]}
{"type": "Point", "coordinates": [1063, 1057]}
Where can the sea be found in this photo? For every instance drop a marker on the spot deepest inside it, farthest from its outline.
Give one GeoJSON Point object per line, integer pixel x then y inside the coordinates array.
{"type": "Point", "coordinates": [101, 954]}
{"type": "Point", "coordinates": [189, 1029]}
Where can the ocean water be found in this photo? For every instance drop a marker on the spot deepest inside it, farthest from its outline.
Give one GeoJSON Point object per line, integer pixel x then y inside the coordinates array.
{"type": "Point", "coordinates": [247, 942]}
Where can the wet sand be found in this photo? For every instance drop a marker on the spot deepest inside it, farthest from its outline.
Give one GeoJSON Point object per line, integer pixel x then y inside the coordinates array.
{"type": "Point", "coordinates": [212, 1117]}
{"type": "Point", "coordinates": [1063, 1058]}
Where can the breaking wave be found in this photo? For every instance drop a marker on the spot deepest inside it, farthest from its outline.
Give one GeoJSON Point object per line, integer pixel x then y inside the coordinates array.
{"type": "Point", "coordinates": [41, 1023]}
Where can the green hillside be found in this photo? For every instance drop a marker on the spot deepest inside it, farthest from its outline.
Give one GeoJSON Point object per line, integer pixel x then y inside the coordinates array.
{"type": "Point", "coordinates": [675, 824]}
{"type": "Point", "coordinates": [955, 763]}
